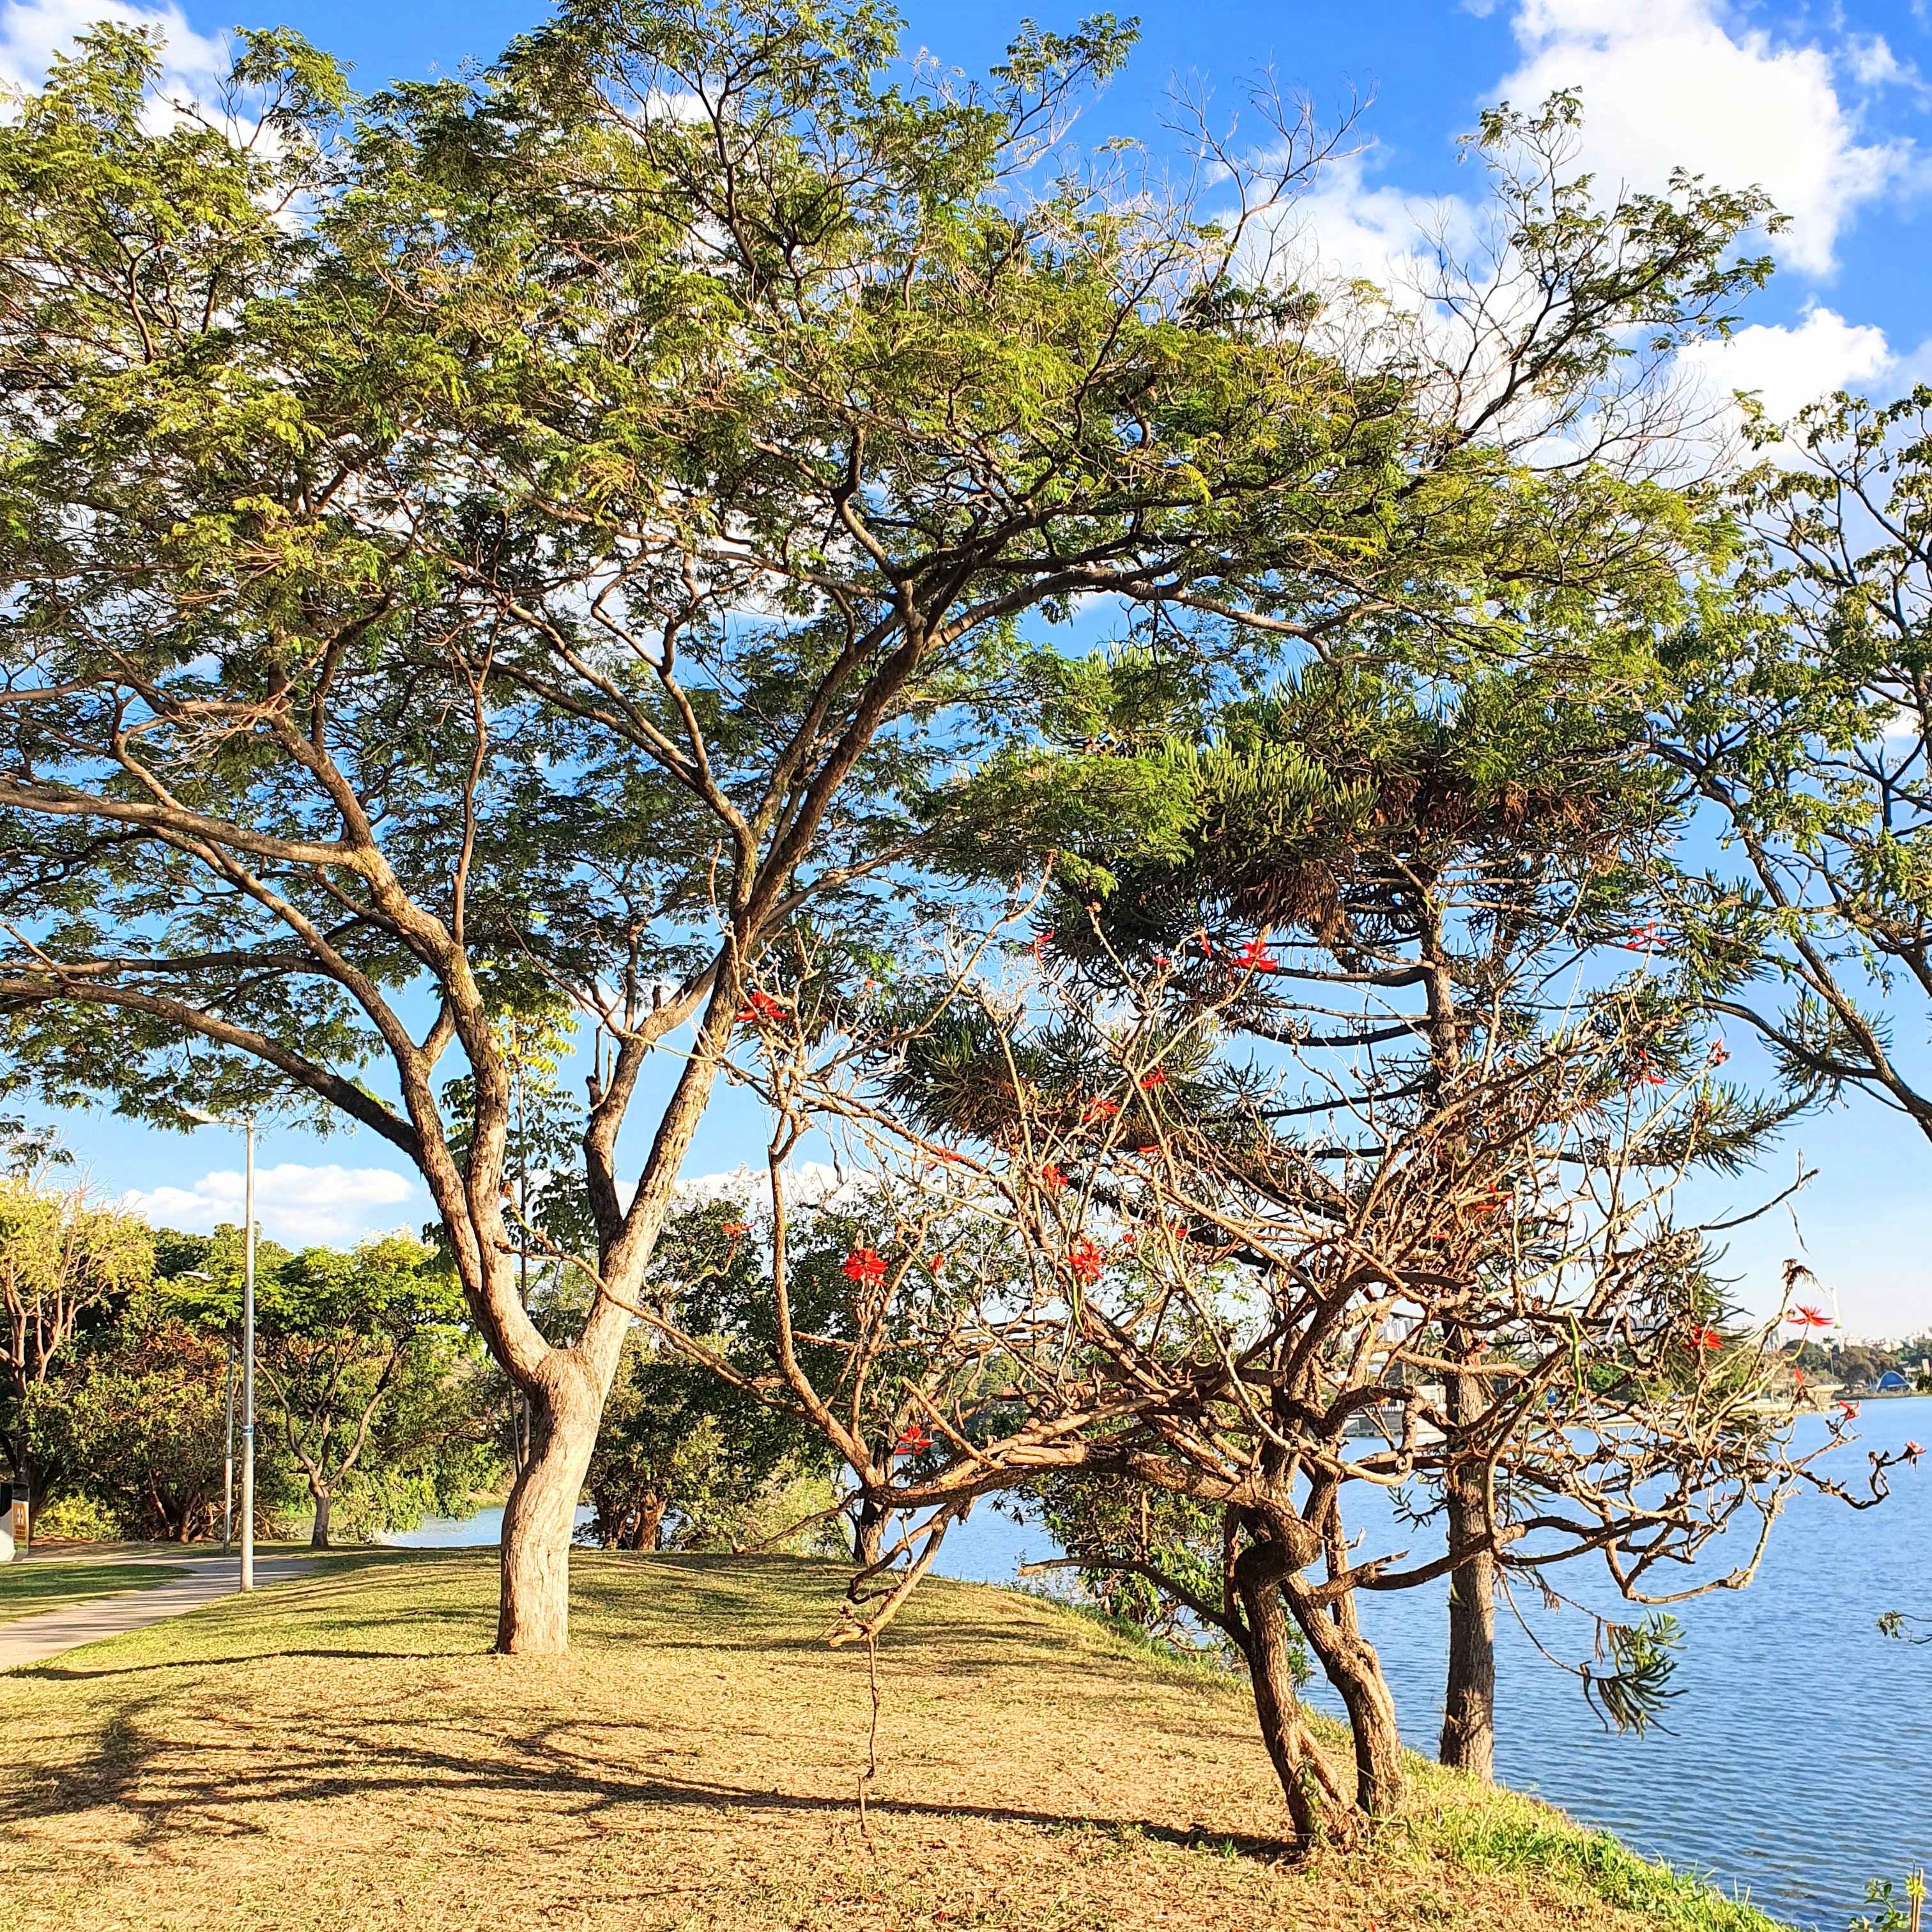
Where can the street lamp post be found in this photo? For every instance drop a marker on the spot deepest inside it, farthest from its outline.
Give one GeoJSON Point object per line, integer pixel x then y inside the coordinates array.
{"type": "Point", "coordinates": [247, 1126]}
{"type": "Point", "coordinates": [228, 1448]}
{"type": "Point", "coordinates": [228, 1460]}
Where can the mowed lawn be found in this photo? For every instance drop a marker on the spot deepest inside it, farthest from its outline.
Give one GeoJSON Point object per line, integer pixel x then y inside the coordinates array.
{"type": "Point", "coordinates": [47, 1583]}
{"type": "Point", "coordinates": [342, 1751]}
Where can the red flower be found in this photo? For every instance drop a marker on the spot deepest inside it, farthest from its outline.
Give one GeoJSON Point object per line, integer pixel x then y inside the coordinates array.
{"type": "Point", "coordinates": [1256, 958]}
{"type": "Point", "coordinates": [1703, 1337]}
{"type": "Point", "coordinates": [760, 1006]}
{"type": "Point", "coordinates": [1086, 1260]}
{"type": "Point", "coordinates": [1040, 946]}
{"type": "Point", "coordinates": [1643, 1074]}
{"type": "Point", "coordinates": [734, 1229]}
{"type": "Point", "coordinates": [1154, 1077]}
{"type": "Point", "coordinates": [914, 1441]}
{"type": "Point", "coordinates": [1851, 1409]}
{"type": "Point", "coordinates": [937, 1263]}
{"type": "Point", "coordinates": [1098, 1110]}
{"type": "Point", "coordinates": [1643, 938]}
{"type": "Point", "coordinates": [865, 1265]}
{"type": "Point", "coordinates": [1809, 1318]}
{"type": "Point", "coordinates": [1051, 1179]}
{"type": "Point", "coordinates": [1913, 1452]}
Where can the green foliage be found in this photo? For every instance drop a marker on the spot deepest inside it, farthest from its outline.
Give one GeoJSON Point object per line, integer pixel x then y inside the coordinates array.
{"type": "Point", "coordinates": [1631, 1695]}
{"type": "Point", "coordinates": [367, 1392]}
{"type": "Point", "coordinates": [687, 1459]}
{"type": "Point", "coordinates": [136, 1425]}
{"type": "Point", "coordinates": [1894, 1914]}
{"type": "Point", "coordinates": [1155, 1560]}
{"type": "Point", "coordinates": [67, 1264]}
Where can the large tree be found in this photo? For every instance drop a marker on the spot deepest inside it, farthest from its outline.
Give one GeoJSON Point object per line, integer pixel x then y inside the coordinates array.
{"type": "Point", "coordinates": [1804, 721]}
{"type": "Point", "coordinates": [511, 544]}
{"type": "Point", "coordinates": [65, 1259]}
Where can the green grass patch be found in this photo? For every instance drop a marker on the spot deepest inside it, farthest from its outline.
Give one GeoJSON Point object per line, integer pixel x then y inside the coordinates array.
{"type": "Point", "coordinates": [26, 1589]}
{"type": "Point", "coordinates": [1510, 1833]}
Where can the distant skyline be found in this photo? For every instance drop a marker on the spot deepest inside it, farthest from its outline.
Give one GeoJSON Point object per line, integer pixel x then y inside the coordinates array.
{"type": "Point", "coordinates": [1828, 108]}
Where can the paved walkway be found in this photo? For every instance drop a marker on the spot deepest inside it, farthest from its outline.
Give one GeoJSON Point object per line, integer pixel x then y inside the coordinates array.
{"type": "Point", "coordinates": [47, 1633]}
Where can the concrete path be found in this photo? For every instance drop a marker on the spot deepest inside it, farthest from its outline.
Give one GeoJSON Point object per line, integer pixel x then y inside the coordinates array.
{"type": "Point", "coordinates": [47, 1633]}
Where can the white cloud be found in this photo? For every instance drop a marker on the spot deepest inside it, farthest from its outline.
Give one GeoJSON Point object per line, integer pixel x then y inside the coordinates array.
{"type": "Point", "coordinates": [293, 1203]}
{"type": "Point", "coordinates": [812, 1183]}
{"type": "Point", "coordinates": [31, 31]}
{"type": "Point", "coordinates": [1667, 83]}
{"type": "Point", "coordinates": [1344, 227]}
{"type": "Point", "coordinates": [1789, 367]}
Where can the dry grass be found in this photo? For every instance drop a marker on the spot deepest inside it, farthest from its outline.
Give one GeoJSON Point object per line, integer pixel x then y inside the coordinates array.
{"type": "Point", "coordinates": [340, 1752]}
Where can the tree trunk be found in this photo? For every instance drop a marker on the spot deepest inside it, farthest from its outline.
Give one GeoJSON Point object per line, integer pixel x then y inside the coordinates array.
{"type": "Point", "coordinates": [318, 1538]}
{"type": "Point", "coordinates": [1469, 1703]}
{"type": "Point", "coordinates": [1320, 1811]}
{"type": "Point", "coordinates": [1349, 1662]}
{"type": "Point", "coordinates": [650, 1522]}
{"type": "Point", "coordinates": [539, 1518]}
{"type": "Point", "coordinates": [868, 1533]}
{"type": "Point", "coordinates": [23, 1476]}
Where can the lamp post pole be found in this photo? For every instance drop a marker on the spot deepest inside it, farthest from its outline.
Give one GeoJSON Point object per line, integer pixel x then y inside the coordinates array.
{"type": "Point", "coordinates": [248, 1365]}
{"type": "Point", "coordinates": [247, 1124]}
{"type": "Point", "coordinates": [228, 1460]}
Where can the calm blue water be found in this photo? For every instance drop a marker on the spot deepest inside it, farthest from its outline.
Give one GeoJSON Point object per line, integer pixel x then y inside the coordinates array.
{"type": "Point", "coordinates": [1799, 1762]}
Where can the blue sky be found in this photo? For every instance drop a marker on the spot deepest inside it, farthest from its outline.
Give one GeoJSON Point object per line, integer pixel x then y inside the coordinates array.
{"type": "Point", "coordinates": [1826, 107]}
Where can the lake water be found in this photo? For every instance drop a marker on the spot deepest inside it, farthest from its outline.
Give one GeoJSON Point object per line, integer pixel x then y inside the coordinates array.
{"type": "Point", "coordinates": [1799, 1760]}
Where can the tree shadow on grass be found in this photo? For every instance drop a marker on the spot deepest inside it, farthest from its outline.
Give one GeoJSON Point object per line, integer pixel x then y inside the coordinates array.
{"type": "Point", "coordinates": [155, 1781]}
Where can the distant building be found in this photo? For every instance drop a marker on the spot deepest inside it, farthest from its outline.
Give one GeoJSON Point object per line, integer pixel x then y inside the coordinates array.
{"type": "Point", "coordinates": [1890, 1383]}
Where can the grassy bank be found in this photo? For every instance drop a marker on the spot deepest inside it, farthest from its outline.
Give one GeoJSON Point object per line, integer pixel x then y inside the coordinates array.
{"type": "Point", "coordinates": [341, 1752]}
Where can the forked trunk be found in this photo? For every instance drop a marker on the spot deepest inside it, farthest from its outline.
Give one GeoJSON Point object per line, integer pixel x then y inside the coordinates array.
{"type": "Point", "coordinates": [1349, 1662]}
{"type": "Point", "coordinates": [318, 1538]}
{"type": "Point", "coordinates": [1320, 1809]}
{"type": "Point", "coordinates": [1469, 1703]}
{"type": "Point", "coordinates": [541, 1515]}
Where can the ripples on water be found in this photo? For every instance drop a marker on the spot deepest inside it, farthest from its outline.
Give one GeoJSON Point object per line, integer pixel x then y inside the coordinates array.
{"type": "Point", "coordinates": [1799, 1762]}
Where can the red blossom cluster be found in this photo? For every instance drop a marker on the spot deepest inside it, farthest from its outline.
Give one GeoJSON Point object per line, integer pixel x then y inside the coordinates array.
{"type": "Point", "coordinates": [866, 1266]}
{"type": "Point", "coordinates": [1086, 1261]}
{"type": "Point", "coordinates": [1809, 1318]}
{"type": "Point", "coordinates": [914, 1441]}
{"type": "Point", "coordinates": [1703, 1336]}
{"type": "Point", "coordinates": [1051, 1179]}
{"type": "Point", "coordinates": [760, 1006]}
